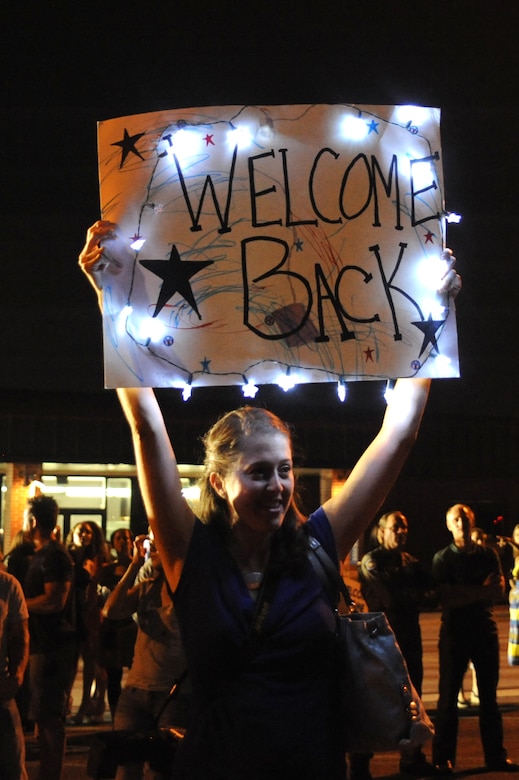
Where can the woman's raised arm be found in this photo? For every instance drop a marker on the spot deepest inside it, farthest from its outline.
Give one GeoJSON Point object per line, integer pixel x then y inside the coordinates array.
{"type": "Point", "coordinates": [168, 513]}
{"type": "Point", "coordinates": [352, 509]}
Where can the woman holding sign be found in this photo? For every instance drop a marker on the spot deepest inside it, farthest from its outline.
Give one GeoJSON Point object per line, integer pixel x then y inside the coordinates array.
{"type": "Point", "coordinates": [264, 699]}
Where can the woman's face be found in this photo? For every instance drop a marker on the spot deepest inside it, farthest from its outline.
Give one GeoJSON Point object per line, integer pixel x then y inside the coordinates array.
{"type": "Point", "coordinates": [259, 488]}
{"type": "Point", "coordinates": [123, 542]}
{"type": "Point", "coordinates": [83, 535]}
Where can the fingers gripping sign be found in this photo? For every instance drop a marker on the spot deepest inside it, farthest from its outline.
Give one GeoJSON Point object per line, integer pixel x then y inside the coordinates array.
{"type": "Point", "coordinates": [92, 259]}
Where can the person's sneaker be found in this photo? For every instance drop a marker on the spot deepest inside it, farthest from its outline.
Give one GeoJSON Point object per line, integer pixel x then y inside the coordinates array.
{"type": "Point", "coordinates": [444, 769]}
{"type": "Point", "coordinates": [359, 767]}
{"type": "Point", "coordinates": [420, 768]}
{"type": "Point", "coordinates": [360, 774]}
{"type": "Point", "coordinates": [503, 765]}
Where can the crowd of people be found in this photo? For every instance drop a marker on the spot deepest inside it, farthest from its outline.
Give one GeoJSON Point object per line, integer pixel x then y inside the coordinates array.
{"type": "Point", "coordinates": [61, 595]}
{"type": "Point", "coordinates": [46, 590]}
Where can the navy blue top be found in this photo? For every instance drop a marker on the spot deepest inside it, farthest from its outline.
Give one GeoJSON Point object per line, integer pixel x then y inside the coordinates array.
{"type": "Point", "coordinates": [273, 715]}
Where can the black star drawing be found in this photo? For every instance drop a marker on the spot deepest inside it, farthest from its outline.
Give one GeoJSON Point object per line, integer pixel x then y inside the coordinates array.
{"type": "Point", "coordinates": [175, 275]}
{"type": "Point", "coordinates": [429, 328]}
{"type": "Point", "coordinates": [128, 145]}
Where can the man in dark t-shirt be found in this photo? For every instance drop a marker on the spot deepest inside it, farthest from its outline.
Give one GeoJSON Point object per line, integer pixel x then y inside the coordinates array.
{"type": "Point", "coordinates": [395, 582]}
{"type": "Point", "coordinates": [53, 648]}
{"type": "Point", "coordinates": [470, 580]}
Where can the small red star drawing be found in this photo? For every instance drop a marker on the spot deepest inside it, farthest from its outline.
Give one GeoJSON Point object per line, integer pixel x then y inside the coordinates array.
{"type": "Point", "coordinates": [209, 140]}
{"type": "Point", "coordinates": [429, 238]}
{"type": "Point", "coordinates": [369, 354]}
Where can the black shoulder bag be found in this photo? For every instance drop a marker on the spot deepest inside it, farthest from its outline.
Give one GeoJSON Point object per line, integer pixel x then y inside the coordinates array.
{"type": "Point", "coordinates": [380, 708]}
{"type": "Point", "coordinates": [111, 749]}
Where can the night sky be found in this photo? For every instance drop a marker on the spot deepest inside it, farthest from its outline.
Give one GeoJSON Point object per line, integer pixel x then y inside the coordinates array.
{"type": "Point", "coordinates": [67, 65]}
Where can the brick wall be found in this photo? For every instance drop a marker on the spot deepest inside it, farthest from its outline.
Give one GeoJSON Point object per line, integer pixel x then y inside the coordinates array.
{"type": "Point", "coordinates": [18, 478]}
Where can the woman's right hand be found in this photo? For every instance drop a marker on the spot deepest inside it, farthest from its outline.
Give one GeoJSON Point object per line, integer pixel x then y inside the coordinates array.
{"type": "Point", "coordinates": [90, 258]}
{"type": "Point", "coordinates": [139, 553]}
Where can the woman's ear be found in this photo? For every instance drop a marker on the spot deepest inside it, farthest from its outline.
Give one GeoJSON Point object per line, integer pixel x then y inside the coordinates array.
{"type": "Point", "coordinates": [216, 483]}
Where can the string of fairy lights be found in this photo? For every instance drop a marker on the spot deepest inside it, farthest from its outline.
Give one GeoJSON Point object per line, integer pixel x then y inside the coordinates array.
{"type": "Point", "coordinates": [179, 142]}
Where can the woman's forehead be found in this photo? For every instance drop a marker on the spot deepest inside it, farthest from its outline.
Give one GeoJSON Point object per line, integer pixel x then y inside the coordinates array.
{"type": "Point", "coordinates": [271, 445]}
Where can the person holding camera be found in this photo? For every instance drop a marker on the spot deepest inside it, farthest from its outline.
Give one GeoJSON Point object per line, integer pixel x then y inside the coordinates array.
{"type": "Point", "coordinates": [158, 658]}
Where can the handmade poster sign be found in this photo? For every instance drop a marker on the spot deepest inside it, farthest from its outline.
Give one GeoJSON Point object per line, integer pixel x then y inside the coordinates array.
{"type": "Point", "coordinates": [277, 244]}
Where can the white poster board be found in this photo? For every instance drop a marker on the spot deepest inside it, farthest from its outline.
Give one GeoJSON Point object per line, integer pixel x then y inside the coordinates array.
{"type": "Point", "coordinates": [281, 243]}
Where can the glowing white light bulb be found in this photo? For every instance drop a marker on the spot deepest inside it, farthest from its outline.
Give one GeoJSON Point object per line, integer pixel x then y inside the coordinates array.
{"type": "Point", "coordinates": [451, 217]}
{"type": "Point", "coordinates": [249, 389]}
{"type": "Point", "coordinates": [151, 329]}
{"type": "Point", "coordinates": [266, 129]}
{"type": "Point", "coordinates": [390, 389]}
{"type": "Point", "coordinates": [341, 390]}
{"type": "Point", "coordinates": [186, 391]}
{"type": "Point", "coordinates": [354, 128]}
{"type": "Point", "coordinates": [435, 308]}
{"type": "Point", "coordinates": [423, 175]}
{"type": "Point", "coordinates": [429, 271]}
{"type": "Point", "coordinates": [138, 244]}
{"type": "Point", "coordinates": [186, 142]}
{"type": "Point", "coordinates": [288, 381]}
{"type": "Point", "coordinates": [415, 115]}
{"type": "Point", "coordinates": [240, 136]}
{"type": "Point", "coordinates": [444, 361]}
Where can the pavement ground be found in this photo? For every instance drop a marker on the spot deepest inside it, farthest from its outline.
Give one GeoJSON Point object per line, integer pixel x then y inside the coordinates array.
{"type": "Point", "coordinates": [384, 765]}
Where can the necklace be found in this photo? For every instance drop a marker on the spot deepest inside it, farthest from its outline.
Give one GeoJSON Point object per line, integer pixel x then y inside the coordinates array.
{"type": "Point", "coordinates": [252, 579]}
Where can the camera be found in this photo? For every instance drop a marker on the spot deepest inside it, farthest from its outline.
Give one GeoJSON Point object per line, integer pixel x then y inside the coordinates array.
{"type": "Point", "coordinates": [148, 546]}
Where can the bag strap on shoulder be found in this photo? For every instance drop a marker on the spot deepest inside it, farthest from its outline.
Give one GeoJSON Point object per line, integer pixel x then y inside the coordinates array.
{"type": "Point", "coordinates": [329, 575]}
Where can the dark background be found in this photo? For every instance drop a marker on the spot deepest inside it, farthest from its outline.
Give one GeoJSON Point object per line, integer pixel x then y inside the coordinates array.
{"type": "Point", "coordinates": [66, 65]}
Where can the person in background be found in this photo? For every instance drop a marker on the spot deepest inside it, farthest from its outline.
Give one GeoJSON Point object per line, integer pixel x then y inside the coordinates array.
{"type": "Point", "coordinates": [117, 636]}
{"type": "Point", "coordinates": [470, 581]}
{"type": "Point", "coordinates": [19, 556]}
{"type": "Point", "coordinates": [49, 594]}
{"type": "Point", "coordinates": [14, 654]}
{"type": "Point", "coordinates": [158, 658]}
{"type": "Point", "coordinates": [472, 700]}
{"type": "Point", "coordinates": [508, 547]}
{"type": "Point", "coordinates": [395, 582]}
{"type": "Point", "coordinates": [513, 631]}
{"type": "Point", "coordinates": [269, 710]}
{"type": "Point", "coordinates": [89, 551]}
{"type": "Point", "coordinates": [17, 561]}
